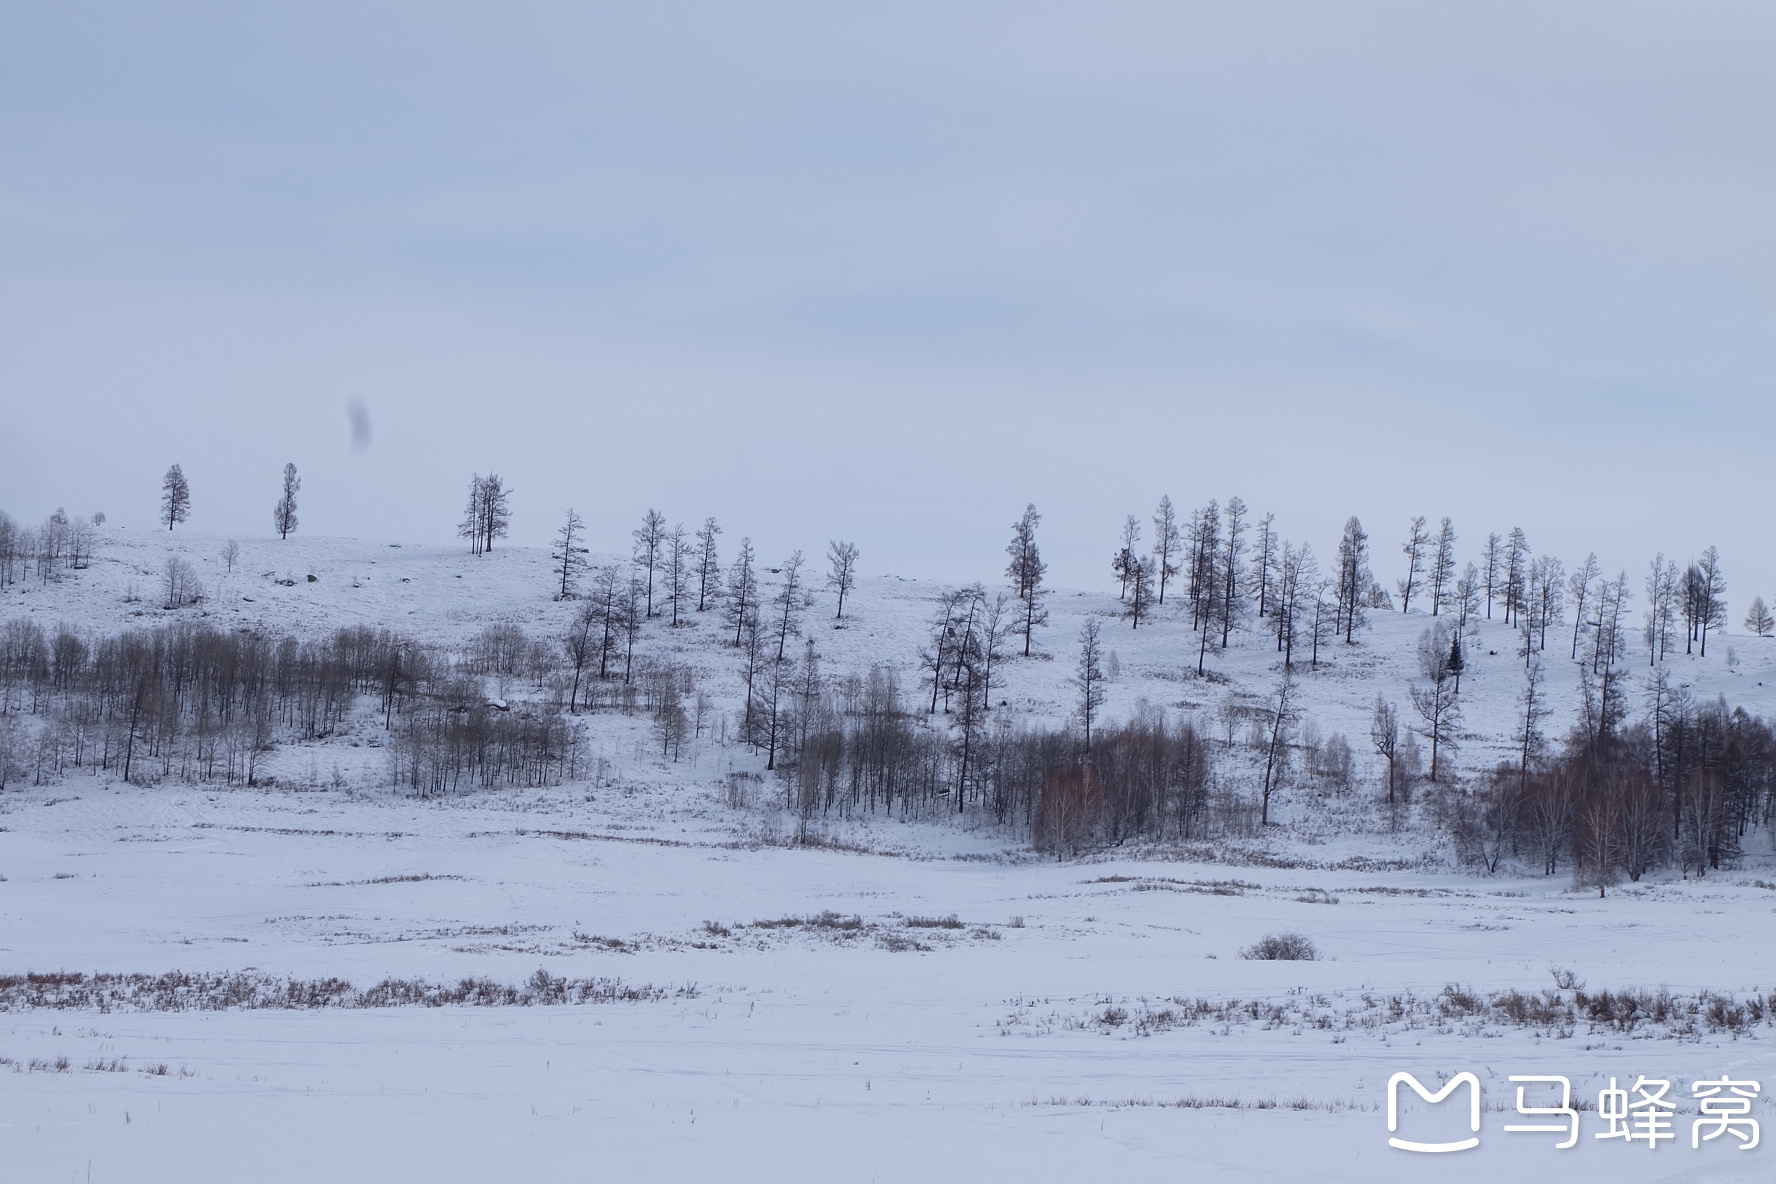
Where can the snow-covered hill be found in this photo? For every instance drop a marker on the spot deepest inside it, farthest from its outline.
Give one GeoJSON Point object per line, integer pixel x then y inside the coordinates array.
{"type": "Point", "coordinates": [886, 1000]}
{"type": "Point", "coordinates": [445, 596]}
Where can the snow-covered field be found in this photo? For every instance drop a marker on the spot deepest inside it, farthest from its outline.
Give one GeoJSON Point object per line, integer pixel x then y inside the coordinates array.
{"type": "Point", "coordinates": [905, 1002]}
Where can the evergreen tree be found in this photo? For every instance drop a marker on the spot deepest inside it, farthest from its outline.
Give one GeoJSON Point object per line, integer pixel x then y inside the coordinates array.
{"type": "Point", "coordinates": [787, 605]}
{"type": "Point", "coordinates": [1122, 564]}
{"type": "Point", "coordinates": [283, 515]}
{"type": "Point", "coordinates": [649, 541]}
{"type": "Point", "coordinates": [708, 564]}
{"type": "Point", "coordinates": [1353, 579]}
{"type": "Point", "coordinates": [742, 593]}
{"type": "Point", "coordinates": [570, 558]}
{"type": "Point", "coordinates": [1088, 679]}
{"type": "Point", "coordinates": [1167, 542]}
{"type": "Point", "coordinates": [175, 497]}
{"type": "Point", "coordinates": [1141, 587]}
{"type": "Point", "coordinates": [1025, 572]}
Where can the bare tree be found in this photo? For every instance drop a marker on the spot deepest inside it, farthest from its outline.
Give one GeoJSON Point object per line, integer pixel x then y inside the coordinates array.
{"type": "Point", "coordinates": [12, 748]}
{"type": "Point", "coordinates": [1532, 709]}
{"type": "Point", "coordinates": [1211, 607]}
{"type": "Point", "coordinates": [1711, 594]}
{"type": "Point", "coordinates": [1167, 542]}
{"type": "Point", "coordinates": [488, 515]}
{"type": "Point", "coordinates": [1417, 539]}
{"type": "Point", "coordinates": [470, 527]}
{"type": "Point", "coordinates": [1491, 560]}
{"type": "Point", "coordinates": [179, 583]}
{"type": "Point", "coordinates": [579, 645]}
{"type": "Point", "coordinates": [1516, 574]}
{"type": "Point", "coordinates": [951, 627]}
{"type": "Point", "coordinates": [283, 515]}
{"type": "Point", "coordinates": [15, 549]}
{"type": "Point", "coordinates": [708, 564]}
{"type": "Point", "coordinates": [1442, 574]}
{"type": "Point", "coordinates": [1203, 539]}
{"type": "Point", "coordinates": [1281, 720]}
{"type": "Point", "coordinates": [1663, 586]}
{"type": "Point", "coordinates": [1384, 734]}
{"type": "Point", "coordinates": [679, 566]}
{"type": "Point", "coordinates": [496, 510]}
{"type": "Point", "coordinates": [1264, 550]}
{"type": "Point", "coordinates": [82, 536]}
{"type": "Point", "coordinates": [1609, 643]}
{"type": "Point", "coordinates": [996, 626]}
{"type": "Point", "coordinates": [570, 557]}
{"type": "Point", "coordinates": [789, 603]}
{"type": "Point", "coordinates": [650, 540]}
{"type": "Point", "coordinates": [1578, 590]}
{"type": "Point", "coordinates": [742, 592]}
{"type": "Point", "coordinates": [1758, 620]}
{"type": "Point", "coordinates": [1597, 842]}
{"type": "Point", "coordinates": [779, 682]}
{"type": "Point", "coordinates": [1297, 580]}
{"type": "Point", "coordinates": [632, 615]}
{"type": "Point", "coordinates": [755, 656]}
{"type": "Point", "coordinates": [841, 576]}
{"type": "Point", "coordinates": [175, 497]}
{"type": "Point", "coordinates": [1233, 567]}
{"type": "Point", "coordinates": [1467, 597]}
{"type": "Point", "coordinates": [1088, 679]}
{"type": "Point", "coordinates": [606, 602]}
{"type": "Point", "coordinates": [1547, 596]}
{"type": "Point", "coordinates": [1641, 815]}
{"type": "Point", "coordinates": [1025, 572]}
{"type": "Point", "coordinates": [1436, 699]}
{"type": "Point", "coordinates": [1325, 618]}
{"type": "Point", "coordinates": [231, 554]}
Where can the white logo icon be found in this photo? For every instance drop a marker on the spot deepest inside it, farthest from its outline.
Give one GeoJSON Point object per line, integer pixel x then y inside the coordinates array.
{"type": "Point", "coordinates": [1460, 1079]}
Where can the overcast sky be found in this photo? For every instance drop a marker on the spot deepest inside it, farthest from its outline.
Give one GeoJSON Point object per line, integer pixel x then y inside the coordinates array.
{"type": "Point", "coordinates": [890, 272]}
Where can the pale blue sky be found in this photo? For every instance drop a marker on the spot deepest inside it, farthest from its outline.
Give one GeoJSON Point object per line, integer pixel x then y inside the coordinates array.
{"type": "Point", "coordinates": [888, 273]}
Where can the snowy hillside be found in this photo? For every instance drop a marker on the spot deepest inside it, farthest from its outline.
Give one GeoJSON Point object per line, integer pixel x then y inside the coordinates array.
{"type": "Point", "coordinates": [445, 596]}
{"type": "Point", "coordinates": [676, 979]}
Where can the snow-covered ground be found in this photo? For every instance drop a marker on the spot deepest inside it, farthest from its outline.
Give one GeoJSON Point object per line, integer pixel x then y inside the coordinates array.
{"type": "Point", "coordinates": [820, 1017]}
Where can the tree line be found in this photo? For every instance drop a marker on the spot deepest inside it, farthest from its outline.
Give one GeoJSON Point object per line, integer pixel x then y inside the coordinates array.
{"type": "Point", "coordinates": [188, 702]}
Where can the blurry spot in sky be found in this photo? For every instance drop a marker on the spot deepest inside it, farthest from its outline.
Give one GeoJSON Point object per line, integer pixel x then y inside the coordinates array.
{"type": "Point", "coordinates": [360, 424]}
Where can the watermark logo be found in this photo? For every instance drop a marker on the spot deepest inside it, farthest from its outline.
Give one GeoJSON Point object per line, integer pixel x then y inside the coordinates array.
{"type": "Point", "coordinates": [1643, 1113]}
{"type": "Point", "coordinates": [1454, 1083]}
{"type": "Point", "coordinates": [1565, 1110]}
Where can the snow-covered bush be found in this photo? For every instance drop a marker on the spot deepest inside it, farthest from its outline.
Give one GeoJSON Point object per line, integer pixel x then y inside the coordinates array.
{"type": "Point", "coordinates": [1281, 947]}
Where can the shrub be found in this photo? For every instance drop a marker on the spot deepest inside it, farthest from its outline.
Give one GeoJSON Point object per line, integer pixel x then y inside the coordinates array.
{"type": "Point", "coordinates": [1281, 947]}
